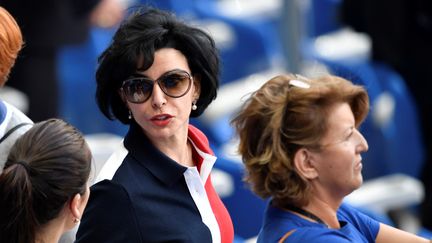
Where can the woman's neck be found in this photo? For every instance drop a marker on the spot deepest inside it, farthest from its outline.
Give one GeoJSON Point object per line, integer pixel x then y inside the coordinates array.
{"type": "Point", "coordinates": [50, 232]}
{"type": "Point", "coordinates": [178, 149]}
{"type": "Point", "coordinates": [327, 212]}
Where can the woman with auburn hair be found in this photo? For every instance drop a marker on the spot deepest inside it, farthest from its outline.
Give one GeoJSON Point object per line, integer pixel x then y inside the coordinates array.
{"type": "Point", "coordinates": [301, 146]}
{"type": "Point", "coordinates": [13, 123]}
{"type": "Point", "coordinates": [10, 43]}
{"type": "Point", "coordinates": [44, 185]}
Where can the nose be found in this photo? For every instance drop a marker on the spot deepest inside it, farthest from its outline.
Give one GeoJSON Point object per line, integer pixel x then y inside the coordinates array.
{"type": "Point", "coordinates": [158, 97]}
{"type": "Point", "coordinates": [362, 143]}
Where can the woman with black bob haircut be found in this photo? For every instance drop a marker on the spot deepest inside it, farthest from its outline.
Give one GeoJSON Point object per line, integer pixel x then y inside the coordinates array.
{"type": "Point", "coordinates": [134, 45]}
{"type": "Point", "coordinates": [44, 185]}
{"type": "Point", "coordinates": [156, 74]}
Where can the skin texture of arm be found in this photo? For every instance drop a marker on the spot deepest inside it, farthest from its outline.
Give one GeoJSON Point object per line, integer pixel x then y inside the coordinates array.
{"type": "Point", "coordinates": [389, 234]}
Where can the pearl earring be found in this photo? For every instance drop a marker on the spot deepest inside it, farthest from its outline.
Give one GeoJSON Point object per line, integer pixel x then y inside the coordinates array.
{"type": "Point", "coordinates": [194, 106]}
{"type": "Point", "coordinates": [130, 115]}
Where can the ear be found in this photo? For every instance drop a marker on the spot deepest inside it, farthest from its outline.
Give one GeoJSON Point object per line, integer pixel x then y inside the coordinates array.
{"type": "Point", "coordinates": [304, 164]}
{"type": "Point", "coordinates": [197, 85]}
{"type": "Point", "coordinates": [76, 206]}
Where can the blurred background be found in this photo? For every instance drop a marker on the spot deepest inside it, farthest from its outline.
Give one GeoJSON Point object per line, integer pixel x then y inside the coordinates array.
{"type": "Point", "coordinates": [259, 39]}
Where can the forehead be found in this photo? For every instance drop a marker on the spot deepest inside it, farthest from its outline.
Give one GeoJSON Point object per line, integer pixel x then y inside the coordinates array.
{"type": "Point", "coordinates": [166, 59]}
{"type": "Point", "coordinates": [340, 118]}
{"type": "Point", "coordinates": [340, 111]}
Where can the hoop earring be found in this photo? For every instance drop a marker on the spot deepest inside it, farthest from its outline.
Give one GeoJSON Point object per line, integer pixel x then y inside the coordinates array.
{"type": "Point", "coordinates": [194, 106]}
{"type": "Point", "coordinates": [130, 115]}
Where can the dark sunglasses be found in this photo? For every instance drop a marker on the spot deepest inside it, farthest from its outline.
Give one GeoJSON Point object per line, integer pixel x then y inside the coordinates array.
{"type": "Point", "coordinates": [175, 84]}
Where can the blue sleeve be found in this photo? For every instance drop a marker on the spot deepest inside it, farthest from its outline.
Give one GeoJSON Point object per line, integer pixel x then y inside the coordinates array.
{"type": "Point", "coordinates": [109, 216]}
{"type": "Point", "coordinates": [368, 226]}
{"type": "Point", "coordinates": [3, 111]}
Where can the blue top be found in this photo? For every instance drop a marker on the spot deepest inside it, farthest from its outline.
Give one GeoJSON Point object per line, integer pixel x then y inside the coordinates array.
{"type": "Point", "coordinates": [3, 111]}
{"type": "Point", "coordinates": [355, 227]}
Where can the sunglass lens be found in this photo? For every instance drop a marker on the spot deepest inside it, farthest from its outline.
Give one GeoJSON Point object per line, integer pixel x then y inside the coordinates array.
{"type": "Point", "coordinates": [176, 84]}
{"type": "Point", "coordinates": [137, 90]}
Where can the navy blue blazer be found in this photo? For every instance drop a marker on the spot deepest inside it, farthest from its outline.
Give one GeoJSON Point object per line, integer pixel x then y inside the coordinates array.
{"type": "Point", "coordinates": [146, 200]}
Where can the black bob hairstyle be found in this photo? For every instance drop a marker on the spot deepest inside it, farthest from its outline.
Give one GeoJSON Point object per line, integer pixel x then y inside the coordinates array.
{"type": "Point", "coordinates": [145, 31]}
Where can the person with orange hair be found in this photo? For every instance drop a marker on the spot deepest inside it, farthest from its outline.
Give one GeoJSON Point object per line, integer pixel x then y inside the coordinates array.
{"type": "Point", "coordinates": [10, 45]}
{"type": "Point", "coordinates": [13, 123]}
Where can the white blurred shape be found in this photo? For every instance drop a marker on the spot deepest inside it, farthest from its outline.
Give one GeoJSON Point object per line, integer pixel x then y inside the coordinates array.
{"type": "Point", "coordinates": [222, 183]}
{"type": "Point", "coordinates": [383, 109]}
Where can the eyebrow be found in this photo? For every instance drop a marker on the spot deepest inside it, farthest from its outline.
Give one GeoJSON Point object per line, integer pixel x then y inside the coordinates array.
{"type": "Point", "coordinates": [350, 130]}
{"type": "Point", "coordinates": [344, 132]}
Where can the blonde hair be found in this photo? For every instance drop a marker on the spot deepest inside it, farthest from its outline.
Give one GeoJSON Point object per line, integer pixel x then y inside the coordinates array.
{"type": "Point", "coordinates": [280, 118]}
{"type": "Point", "coordinates": [10, 43]}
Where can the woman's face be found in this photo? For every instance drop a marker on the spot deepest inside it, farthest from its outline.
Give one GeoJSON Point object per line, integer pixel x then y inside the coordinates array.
{"type": "Point", "coordinates": [338, 162]}
{"type": "Point", "coordinates": [163, 117]}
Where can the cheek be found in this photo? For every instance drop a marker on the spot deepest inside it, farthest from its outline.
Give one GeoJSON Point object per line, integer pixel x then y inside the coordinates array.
{"type": "Point", "coordinates": [185, 103]}
{"type": "Point", "coordinates": [347, 161]}
{"type": "Point", "coordinates": [142, 108]}
{"type": "Point", "coordinates": [337, 161]}
{"type": "Point", "coordinates": [185, 108]}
